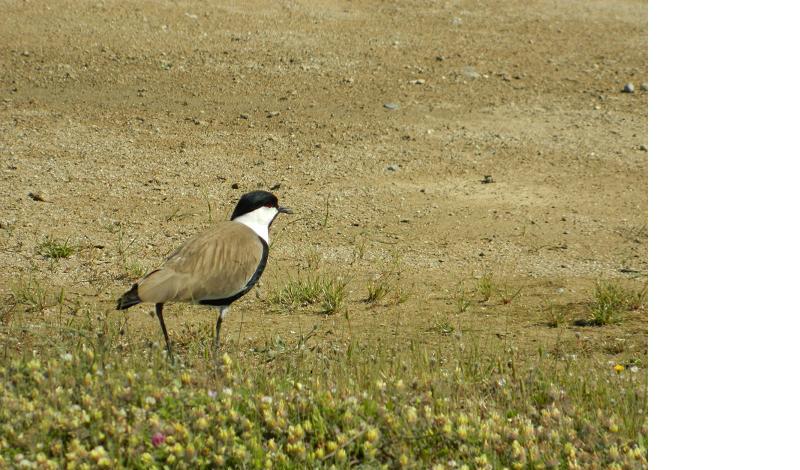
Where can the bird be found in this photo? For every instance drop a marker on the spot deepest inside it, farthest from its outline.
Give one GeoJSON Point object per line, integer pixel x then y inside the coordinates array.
{"type": "Point", "coordinates": [215, 267]}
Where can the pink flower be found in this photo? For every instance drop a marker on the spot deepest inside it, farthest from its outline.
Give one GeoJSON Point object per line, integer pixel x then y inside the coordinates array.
{"type": "Point", "coordinates": [157, 439]}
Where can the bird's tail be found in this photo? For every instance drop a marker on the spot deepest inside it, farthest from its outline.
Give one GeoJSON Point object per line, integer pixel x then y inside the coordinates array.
{"type": "Point", "coordinates": [129, 299]}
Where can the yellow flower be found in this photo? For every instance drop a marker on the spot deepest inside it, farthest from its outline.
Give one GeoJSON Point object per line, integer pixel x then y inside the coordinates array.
{"type": "Point", "coordinates": [372, 435]}
{"type": "Point", "coordinates": [411, 415]}
{"type": "Point", "coordinates": [619, 368]}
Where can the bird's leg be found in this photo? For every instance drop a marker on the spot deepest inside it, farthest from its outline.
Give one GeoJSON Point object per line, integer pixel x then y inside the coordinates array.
{"type": "Point", "coordinates": [159, 313]}
{"type": "Point", "coordinates": [223, 310]}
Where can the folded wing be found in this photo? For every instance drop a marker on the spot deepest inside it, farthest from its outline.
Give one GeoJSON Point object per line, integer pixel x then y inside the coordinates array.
{"type": "Point", "coordinates": [215, 264]}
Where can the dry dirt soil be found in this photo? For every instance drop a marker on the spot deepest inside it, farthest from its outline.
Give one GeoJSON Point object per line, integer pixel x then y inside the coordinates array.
{"type": "Point", "coordinates": [424, 144]}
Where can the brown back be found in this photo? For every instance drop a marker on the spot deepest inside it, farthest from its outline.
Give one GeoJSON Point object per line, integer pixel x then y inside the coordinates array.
{"type": "Point", "coordinates": [215, 264]}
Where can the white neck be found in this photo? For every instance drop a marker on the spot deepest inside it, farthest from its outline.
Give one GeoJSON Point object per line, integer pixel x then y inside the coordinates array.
{"type": "Point", "coordinates": [259, 220]}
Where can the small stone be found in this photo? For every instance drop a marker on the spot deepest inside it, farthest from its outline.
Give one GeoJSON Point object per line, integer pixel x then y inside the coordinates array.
{"type": "Point", "coordinates": [275, 186]}
{"type": "Point", "coordinates": [36, 196]}
{"type": "Point", "coordinates": [487, 179]}
{"type": "Point", "coordinates": [235, 186]}
{"type": "Point", "coordinates": [643, 148]}
{"type": "Point", "coordinates": [470, 73]}
{"type": "Point", "coordinates": [418, 81]}
{"type": "Point", "coordinates": [629, 88]}
{"type": "Point", "coordinates": [391, 106]}
{"type": "Point", "coordinates": [244, 116]}
{"type": "Point", "coordinates": [272, 114]}
{"type": "Point", "coordinates": [439, 58]}
{"type": "Point", "coordinates": [644, 86]}
{"type": "Point", "coordinates": [393, 167]}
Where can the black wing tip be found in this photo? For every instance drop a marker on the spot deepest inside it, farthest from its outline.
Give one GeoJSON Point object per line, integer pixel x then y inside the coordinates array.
{"type": "Point", "coordinates": [129, 299]}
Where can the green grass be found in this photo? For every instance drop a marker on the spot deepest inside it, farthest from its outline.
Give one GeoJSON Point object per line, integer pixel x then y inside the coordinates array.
{"type": "Point", "coordinates": [611, 300]}
{"type": "Point", "coordinates": [34, 296]}
{"type": "Point", "coordinates": [135, 270]}
{"type": "Point", "coordinates": [55, 249]}
{"type": "Point", "coordinates": [324, 291]}
{"type": "Point", "coordinates": [486, 287]}
{"type": "Point", "coordinates": [95, 400]}
{"type": "Point", "coordinates": [377, 289]}
{"type": "Point", "coordinates": [86, 390]}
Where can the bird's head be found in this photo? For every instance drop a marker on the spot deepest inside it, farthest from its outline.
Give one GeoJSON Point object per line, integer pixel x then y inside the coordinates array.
{"type": "Point", "coordinates": [260, 207]}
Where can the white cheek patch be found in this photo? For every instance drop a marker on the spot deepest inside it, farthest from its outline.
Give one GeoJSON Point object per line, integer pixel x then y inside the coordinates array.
{"type": "Point", "coordinates": [259, 221]}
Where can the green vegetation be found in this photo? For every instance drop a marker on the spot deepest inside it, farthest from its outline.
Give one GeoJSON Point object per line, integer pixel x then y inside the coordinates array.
{"type": "Point", "coordinates": [485, 287]}
{"type": "Point", "coordinates": [92, 400]}
{"type": "Point", "coordinates": [84, 390]}
{"type": "Point", "coordinates": [377, 290]}
{"type": "Point", "coordinates": [55, 249]}
{"type": "Point", "coordinates": [611, 300]}
{"type": "Point", "coordinates": [328, 292]}
{"type": "Point", "coordinates": [33, 296]}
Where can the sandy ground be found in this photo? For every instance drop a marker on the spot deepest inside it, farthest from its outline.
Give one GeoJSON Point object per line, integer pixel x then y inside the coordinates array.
{"type": "Point", "coordinates": [139, 123]}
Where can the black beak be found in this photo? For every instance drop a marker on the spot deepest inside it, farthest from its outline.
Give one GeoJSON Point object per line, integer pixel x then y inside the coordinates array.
{"type": "Point", "coordinates": [285, 210]}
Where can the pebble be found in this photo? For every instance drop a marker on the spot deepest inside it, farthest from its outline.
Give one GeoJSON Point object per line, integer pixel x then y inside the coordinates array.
{"type": "Point", "coordinates": [235, 186]}
{"type": "Point", "coordinates": [470, 72]}
{"type": "Point", "coordinates": [391, 106]}
{"type": "Point", "coordinates": [487, 179]}
{"type": "Point", "coordinates": [272, 114]}
{"type": "Point", "coordinates": [418, 81]}
{"type": "Point", "coordinates": [644, 86]}
{"type": "Point", "coordinates": [643, 148]}
{"type": "Point", "coordinates": [629, 88]}
{"type": "Point", "coordinates": [393, 167]}
{"type": "Point", "coordinates": [37, 197]}
{"type": "Point", "coordinates": [244, 116]}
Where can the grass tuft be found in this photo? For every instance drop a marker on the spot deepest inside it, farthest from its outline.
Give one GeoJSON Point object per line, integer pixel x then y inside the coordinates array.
{"type": "Point", "coordinates": [486, 287]}
{"type": "Point", "coordinates": [611, 300]}
{"type": "Point", "coordinates": [326, 291]}
{"type": "Point", "coordinates": [55, 249]}
{"type": "Point", "coordinates": [377, 289]}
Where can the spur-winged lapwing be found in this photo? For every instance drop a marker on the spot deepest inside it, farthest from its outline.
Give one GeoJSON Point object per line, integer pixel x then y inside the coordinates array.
{"type": "Point", "coordinates": [216, 267]}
